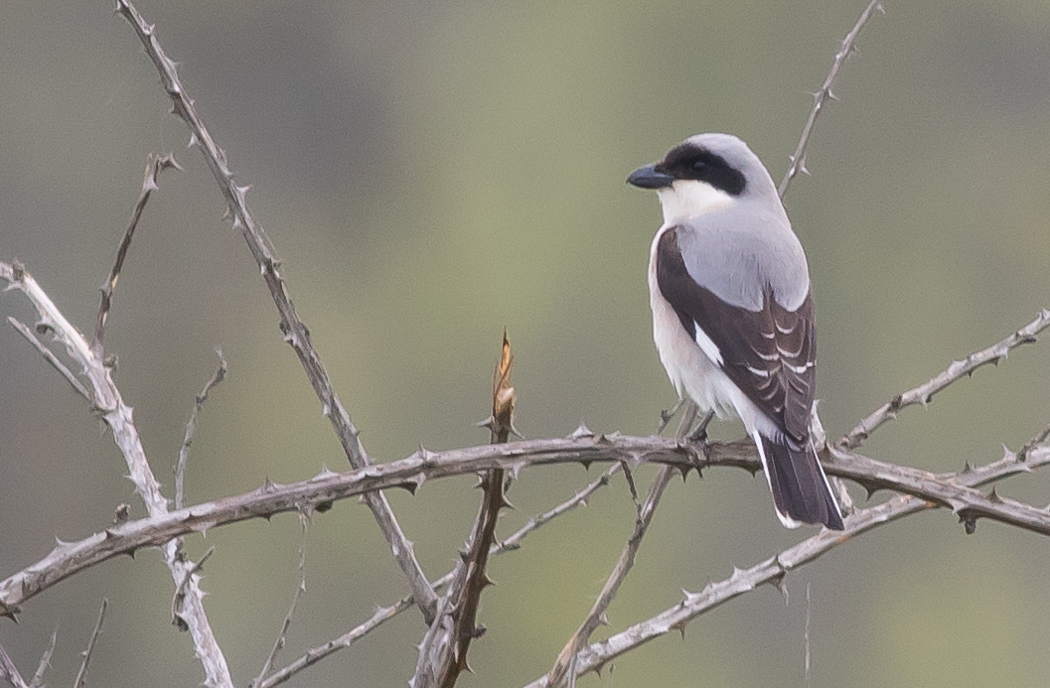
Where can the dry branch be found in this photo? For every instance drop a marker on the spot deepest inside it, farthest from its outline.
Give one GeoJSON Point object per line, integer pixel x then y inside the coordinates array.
{"type": "Point", "coordinates": [823, 94]}
{"type": "Point", "coordinates": [45, 662]}
{"type": "Point", "coordinates": [81, 680]}
{"type": "Point", "coordinates": [191, 427]}
{"type": "Point", "coordinates": [443, 652]}
{"type": "Point", "coordinates": [67, 559]}
{"type": "Point", "coordinates": [117, 415]}
{"type": "Point", "coordinates": [774, 569]}
{"type": "Point", "coordinates": [923, 394]}
{"type": "Point", "coordinates": [154, 166]}
{"type": "Point", "coordinates": [295, 332]}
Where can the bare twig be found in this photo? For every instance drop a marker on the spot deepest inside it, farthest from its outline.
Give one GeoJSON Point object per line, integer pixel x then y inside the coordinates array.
{"type": "Point", "coordinates": [295, 332]}
{"type": "Point", "coordinates": [81, 680]}
{"type": "Point", "coordinates": [50, 357]}
{"type": "Point", "coordinates": [191, 427]}
{"type": "Point", "coordinates": [773, 570]}
{"type": "Point", "coordinates": [923, 394]}
{"type": "Point", "coordinates": [299, 590]}
{"type": "Point", "coordinates": [107, 400]}
{"type": "Point", "coordinates": [564, 664]}
{"type": "Point", "coordinates": [315, 655]}
{"type": "Point", "coordinates": [823, 94]}
{"type": "Point", "coordinates": [9, 672]}
{"type": "Point", "coordinates": [45, 662]}
{"type": "Point", "coordinates": [154, 166]}
{"type": "Point", "coordinates": [513, 541]}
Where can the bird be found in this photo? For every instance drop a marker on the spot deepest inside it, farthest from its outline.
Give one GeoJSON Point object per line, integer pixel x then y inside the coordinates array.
{"type": "Point", "coordinates": [732, 309]}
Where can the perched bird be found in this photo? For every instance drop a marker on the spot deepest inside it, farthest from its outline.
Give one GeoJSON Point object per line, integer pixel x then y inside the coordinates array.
{"type": "Point", "coordinates": [733, 313]}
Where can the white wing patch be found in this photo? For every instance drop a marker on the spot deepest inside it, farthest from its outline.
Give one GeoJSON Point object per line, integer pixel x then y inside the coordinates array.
{"type": "Point", "coordinates": [709, 348]}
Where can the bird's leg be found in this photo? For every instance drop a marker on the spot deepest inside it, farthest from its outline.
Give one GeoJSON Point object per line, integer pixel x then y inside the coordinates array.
{"type": "Point", "coordinates": [700, 434]}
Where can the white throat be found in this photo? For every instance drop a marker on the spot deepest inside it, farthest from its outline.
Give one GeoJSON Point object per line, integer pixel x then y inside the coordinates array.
{"type": "Point", "coordinates": [689, 197]}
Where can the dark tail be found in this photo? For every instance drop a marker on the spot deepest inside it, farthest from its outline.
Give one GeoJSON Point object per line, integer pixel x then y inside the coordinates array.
{"type": "Point", "coordinates": [800, 489]}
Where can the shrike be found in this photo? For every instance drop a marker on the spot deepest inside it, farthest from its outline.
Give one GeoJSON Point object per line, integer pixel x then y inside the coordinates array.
{"type": "Point", "coordinates": [733, 313]}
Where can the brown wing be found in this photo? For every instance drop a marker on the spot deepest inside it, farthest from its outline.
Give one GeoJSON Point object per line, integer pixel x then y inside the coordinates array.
{"type": "Point", "coordinates": [769, 354]}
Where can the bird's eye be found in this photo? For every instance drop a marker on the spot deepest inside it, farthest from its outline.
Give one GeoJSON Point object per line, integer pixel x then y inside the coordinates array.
{"type": "Point", "coordinates": [699, 165]}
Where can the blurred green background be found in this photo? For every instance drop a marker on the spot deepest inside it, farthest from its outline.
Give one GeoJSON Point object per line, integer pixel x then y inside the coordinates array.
{"type": "Point", "coordinates": [431, 172]}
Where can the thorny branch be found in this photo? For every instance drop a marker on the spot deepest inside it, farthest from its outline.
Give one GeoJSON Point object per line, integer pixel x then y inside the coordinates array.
{"type": "Point", "coordinates": [774, 569]}
{"type": "Point", "coordinates": [81, 679]}
{"type": "Point", "coordinates": [443, 652]}
{"type": "Point", "coordinates": [823, 94]}
{"type": "Point", "coordinates": [154, 166]}
{"type": "Point", "coordinates": [923, 394]}
{"type": "Point", "coordinates": [295, 332]}
{"type": "Point", "coordinates": [106, 398]}
{"type": "Point", "coordinates": [412, 472]}
{"type": "Point", "coordinates": [191, 427]}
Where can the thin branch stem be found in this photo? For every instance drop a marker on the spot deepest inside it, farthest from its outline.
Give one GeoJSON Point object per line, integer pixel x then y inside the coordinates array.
{"type": "Point", "coordinates": [81, 680]}
{"type": "Point", "coordinates": [299, 590]}
{"type": "Point", "coordinates": [50, 357]}
{"type": "Point", "coordinates": [154, 166]}
{"type": "Point", "coordinates": [295, 332]}
{"type": "Point", "coordinates": [191, 428]}
{"type": "Point", "coordinates": [45, 662]}
{"type": "Point", "coordinates": [923, 394]}
{"type": "Point", "coordinates": [9, 672]}
{"type": "Point", "coordinates": [823, 94]}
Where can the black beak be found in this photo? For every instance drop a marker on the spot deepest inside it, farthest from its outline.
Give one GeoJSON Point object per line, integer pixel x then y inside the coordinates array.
{"type": "Point", "coordinates": [649, 177]}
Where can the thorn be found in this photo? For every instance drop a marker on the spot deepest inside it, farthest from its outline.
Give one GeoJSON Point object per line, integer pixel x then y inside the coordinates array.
{"type": "Point", "coordinates": [969, 523]}
{"type": "Point", "coordinates": [994, 497]}
{"type": "Point", "coordinates": [583, 431]}
{"type": "Point", "coordinates": [586, 463]}
{"type": "Point", "coordinates": [832, 96]}
{"type": "Point", "coordinates": [778, 583]}
{"type": "Point", "coordinates": [489, 423]}
{"type": "Point", "coordinates": [325, 472]}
